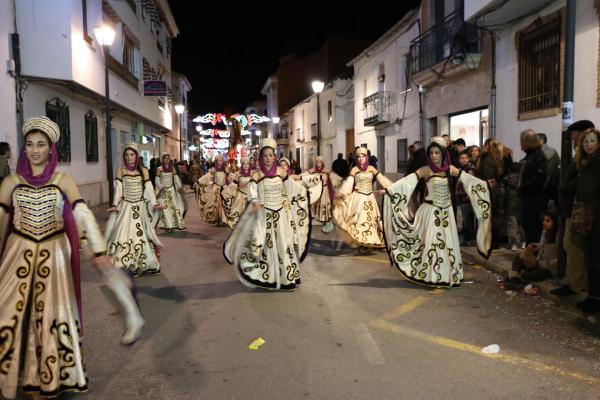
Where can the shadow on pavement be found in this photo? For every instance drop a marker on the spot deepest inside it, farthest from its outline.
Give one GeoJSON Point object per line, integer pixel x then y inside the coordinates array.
{"type": "Point", "coordinates": [184, 235]}
{"type": "Point", "coordinates": [201, 291]}
{"type": "Point", "coordinates": [333, 247]}
{"type": "Point", "coordinates": [387, 284]}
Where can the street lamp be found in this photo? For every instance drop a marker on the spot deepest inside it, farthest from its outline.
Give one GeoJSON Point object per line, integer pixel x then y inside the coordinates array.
{"type": "Point", "coordinates": [105, 36]}
{"type": "Point", "coordinates": [317, 87]}
{"type": "Point", "coordinates": [179, 108]}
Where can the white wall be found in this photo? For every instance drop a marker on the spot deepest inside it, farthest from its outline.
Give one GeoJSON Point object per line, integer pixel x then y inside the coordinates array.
{"type": "Point", "coordinates": [404, 106]}
{"type": "Point", "coordinates": [474, 6]}
{"type": "Point", "coordinates": [586, 61]}
{"type": "Point", "coordinates": [8, 119]}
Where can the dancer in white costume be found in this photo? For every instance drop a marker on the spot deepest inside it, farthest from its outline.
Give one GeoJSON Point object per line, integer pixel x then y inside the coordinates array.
{"type": "Point", "coordinates": [322, 207]}
{"type": "Point", "coordinates": [169, 196]}
{"type": "Point", "coordinates": [210, 193]}
{"type": "Point", "coordinates": [235, 195]}
{"type": "Point", "coordinates": [130, 234]}
{"type": "Point", "coordinates": [40, 292]}
{"type": "Point", "coordinates": [356, 213]}
{"type": "Point", "coordinates": [424, 246]}
{"type": "Point", "coordinates": [271, 238]}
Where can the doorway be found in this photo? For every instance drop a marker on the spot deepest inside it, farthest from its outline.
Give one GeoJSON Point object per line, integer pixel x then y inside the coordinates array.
{"type": "Point", "coordinates": [471, 126]}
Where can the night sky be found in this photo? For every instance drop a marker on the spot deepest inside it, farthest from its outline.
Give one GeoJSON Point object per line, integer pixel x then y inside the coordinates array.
{"type": "Point", "coordinates": [227, 51]}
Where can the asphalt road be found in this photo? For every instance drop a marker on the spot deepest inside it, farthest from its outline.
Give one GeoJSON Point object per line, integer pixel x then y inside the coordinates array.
{"type": "Point", "coordinates": [353, 330]}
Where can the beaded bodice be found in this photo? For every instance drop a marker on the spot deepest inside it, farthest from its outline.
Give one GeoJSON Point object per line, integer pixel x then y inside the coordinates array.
{"type": "Point", "coordinates": [38, 210]}
{"type": "Point", "coordinates": [243, 183]}
{"type": "Point", "coordinates": [166, 179]}
{"type": "Point", "coordinates": [219, 178]}
{"type": "Point", "coordinates": [363, 182]}
{"type": "Point", "coordinates": [133, 188]}
{"type": "Point", "coordinates": [271, 192]}
{"type": "Point", "coordinates": [438, 192]}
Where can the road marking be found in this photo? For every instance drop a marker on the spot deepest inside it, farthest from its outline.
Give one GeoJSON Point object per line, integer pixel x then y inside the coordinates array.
{"type": "Point", "coordinates": [368, 345]}
{"type": "Point", "coordinates": [381, 323]}
{"type": "Point", "coordinates": [405, 308]}
{"type": "Point", "coordinates": [375, 260]}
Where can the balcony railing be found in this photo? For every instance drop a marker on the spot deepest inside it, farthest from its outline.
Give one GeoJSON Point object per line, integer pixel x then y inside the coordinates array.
{"type": "Point", "coordinates": [452, 38]}
{"type": "Point", "coordinates": [281, 135]}
{"type": "Point", "coordinates": [376, 108]}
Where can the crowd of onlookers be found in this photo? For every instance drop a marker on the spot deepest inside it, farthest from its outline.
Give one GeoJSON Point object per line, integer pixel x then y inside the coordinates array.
{"type": "Point", "coordinates": [535, 208]}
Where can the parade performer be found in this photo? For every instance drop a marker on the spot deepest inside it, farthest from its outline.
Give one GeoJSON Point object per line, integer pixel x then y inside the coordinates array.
{"type": "Point", "coordinates": [43, 219]}
{"type": "Point", "coordinates": [169, 195]}
{"type": "Point", "coordinates": [271, 238]}
{"type": "Point", "coordinates": [424, 245]}
{"type": "Point", "coordinates": [130, 234]}
{"type": "Point", "coordinates": [210, 193]}
{"type": "Point", "coordinates": [236, 195]}
{"type": "Point", "coordinates": [321, 206]}
{"type": "Point", "coordinates": [356, 213]}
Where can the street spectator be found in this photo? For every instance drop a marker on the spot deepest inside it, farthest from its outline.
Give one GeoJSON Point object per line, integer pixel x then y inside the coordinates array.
{"type": "Point", "coordinates": [5, 154]}
{"type": "Point", "coordinates": [456, 149]}
{"type": "Point", "coordinates": [372, 159]}
{"type": "Point", "coordinates": [552, 172]}
{"type": "Point", "coordinates": [585, 219]}
{"type": "Point", "coordinates": [514, 228]}
{"type": "Point", "coordinates": [154, 164]}
{"type": "Point", "coordinates": [466, 209]}
{"type": "Point", "coordinates": [531, 185]}
{"type": "Point", "coordinates": [195, 171]}
{"type": "Point", "coordinates": [474, 154]}
{"type": "Point", "coordinates": [491, 169]}
{"type": "Point", "coordinates": [418, 160]}
{"type": "Point", "coordinates": [538, 259]}
{"type": "Point", "coordinates": [454, 154]}
{"type": "Point", "coordinates": [203, 166]}
{"type": "Point", "coordinates": [575, 274]}
{"type": "Point", "coordinates": [340, 166]}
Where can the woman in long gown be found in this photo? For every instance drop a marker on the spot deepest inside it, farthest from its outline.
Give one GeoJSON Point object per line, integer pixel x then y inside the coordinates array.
{"type": "Point", "coordinates": [210, 193]}
{"type": "Point", "coordinates": [322, 208]}
{"type": "Point", "coordinates": [169, 196]}
{"type": "Point", "coordinates": [424, 246]}
{"type": "Point", "coordinates": [356, 213]}
{"type": "Point", "coordinates": [236, 194]}
{"type": "Point", "coordinates": [40, 294]}
{"type": "Point", "coordinates": [271, 238]}
{"type": "Point", "coordinates": [130, 234]}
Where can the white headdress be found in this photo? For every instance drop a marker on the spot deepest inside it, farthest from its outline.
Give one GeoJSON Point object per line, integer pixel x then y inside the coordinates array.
{"type": "Point", "coordinates": [42, 124]}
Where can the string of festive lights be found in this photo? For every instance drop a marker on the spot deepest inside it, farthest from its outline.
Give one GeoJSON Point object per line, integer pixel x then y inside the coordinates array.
{"type": "Point", "coordinates": [245, 120]}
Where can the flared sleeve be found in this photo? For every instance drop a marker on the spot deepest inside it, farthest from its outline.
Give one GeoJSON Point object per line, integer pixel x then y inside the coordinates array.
{"type": "Point", "coordinates": [150, 200]}
{"type": "Point", "coordinates": [177, 182]}
{"type": "Point", "coordinates": [4, 224]}
{"type": "Point", "coordinates": [87, 227]}
{"type": "Point", "coordinates": [479, 196]}
{"type": "Point", "coordinates": [297, 196]}
{"type": "Point", "coordinates": [383, 181]}
{"type": "Point", "coordinates": [347, 186]}
{"type": "Point", "coordinates": [252, 191]}
{"type": "Point", "coordinates": [118, 194]}
{"type": "Point", "coordinates": [157, 182]}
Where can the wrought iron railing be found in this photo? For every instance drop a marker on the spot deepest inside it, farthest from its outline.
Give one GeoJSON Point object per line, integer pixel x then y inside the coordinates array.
{"type": "Point", "coordinates": [452, 38]}
{"type": "Point", "coordinates": [376, 108]}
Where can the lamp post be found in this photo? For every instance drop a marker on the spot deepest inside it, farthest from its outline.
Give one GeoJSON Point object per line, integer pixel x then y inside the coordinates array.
{"type": "Point", "coordinates": [105, 36]}
{"type": "Point", "coordinates": [179, 108]}
{"type": "Point", "coordinates": [317, 87]}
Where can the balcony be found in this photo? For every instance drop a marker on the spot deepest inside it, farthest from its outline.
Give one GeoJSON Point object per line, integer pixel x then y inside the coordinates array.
{"type": "Point", "coordinates": [282, 138]}
{"type": "Point", "coordinates": [451, 47]}
{"type": "Point", "coordinates": [376, 108]}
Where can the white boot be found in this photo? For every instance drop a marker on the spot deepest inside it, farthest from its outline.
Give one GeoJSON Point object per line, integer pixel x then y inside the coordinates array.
{"type": "Point", "coordinates": [328, 228]}
{"type": "Point", "coordinates": [118, 283]}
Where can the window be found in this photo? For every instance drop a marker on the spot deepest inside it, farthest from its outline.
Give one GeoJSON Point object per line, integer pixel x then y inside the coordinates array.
{"type": "Point", "coordinates": [313, 131]}
{"type": "Point", "coordinates": [58, 111]}
{"type": "Point", "coordinates": [329, 111]}
{"type": "Point", "coordinates": [540, 65]}
{"type": "Point", "coordinates": [91, 137]}
{"type": "Point", "coordinates": [129, 54]}
{"type": "Point", "coordinates": [132, 5]}
{"type": "Point", "coordinates": [381, 73]}
{"type": "Point", "coordinates": [86, 35]}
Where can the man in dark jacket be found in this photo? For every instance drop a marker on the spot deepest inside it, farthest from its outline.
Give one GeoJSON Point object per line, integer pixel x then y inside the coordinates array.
{"type": "Point", "coordinates": [340, 166]}
{"type": "Point", "coordinates": [531, 186]}
{"type": "Point", "coordinates": [418, 160]}
{"type": "Point", "coordinates": [575, 275]}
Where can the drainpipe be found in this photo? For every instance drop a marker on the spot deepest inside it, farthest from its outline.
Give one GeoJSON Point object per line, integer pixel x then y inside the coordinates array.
{"type": "Point", "coordinates": [493, 89]}
{"type": "Point", "coordinates": [567, 119]}
{"type": "Point", "coordinates": [421, 116]}
{"type": "Point", "coordinates": [19, 85]}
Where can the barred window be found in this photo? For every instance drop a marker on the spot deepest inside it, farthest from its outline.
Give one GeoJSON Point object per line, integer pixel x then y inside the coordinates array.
{"type": "Point", "coordinates": [91, 137]}
{"type": "Point", "coordinates": [58, 111]}
{"type": "Point", "coordinates": [539, 66]}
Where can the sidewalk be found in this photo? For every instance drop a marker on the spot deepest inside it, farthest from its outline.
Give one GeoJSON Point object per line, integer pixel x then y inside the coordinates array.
{"type": "Point", "coordinates": [500, 262]}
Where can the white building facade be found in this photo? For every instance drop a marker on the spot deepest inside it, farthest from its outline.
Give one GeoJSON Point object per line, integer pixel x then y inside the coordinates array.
{"type": "Point", "coordinates": [8, 118]}
{"type": "Point", "coordinates": [386, 103]}
{"type": "Point", "coordinates": [336, 123]}
{"type": "Point", "coordinates": [63, 66]}
{"type": "Point", "coordinates": [530, 88]}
